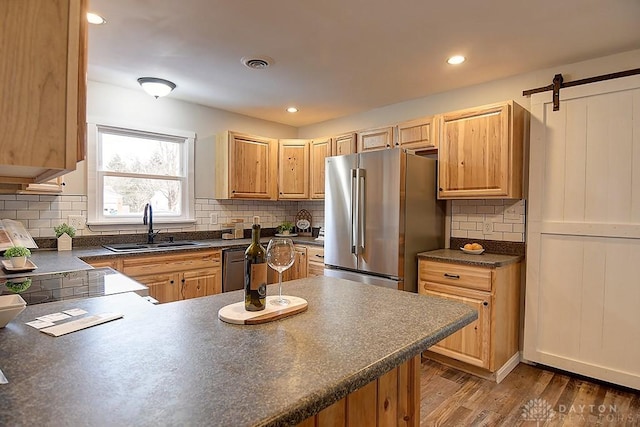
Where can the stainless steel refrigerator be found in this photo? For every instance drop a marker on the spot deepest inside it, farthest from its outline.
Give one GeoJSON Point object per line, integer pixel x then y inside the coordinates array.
{"type": "Point", "coordinates": [380, 211]}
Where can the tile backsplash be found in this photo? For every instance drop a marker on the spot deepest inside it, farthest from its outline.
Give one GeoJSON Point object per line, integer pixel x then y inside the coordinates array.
{"type": "Point", "coordinates": [488, 219]}
{"type": "Point", "coordinates": [504, 219]}
{"type": "Point", "coordinates": [40, 213]}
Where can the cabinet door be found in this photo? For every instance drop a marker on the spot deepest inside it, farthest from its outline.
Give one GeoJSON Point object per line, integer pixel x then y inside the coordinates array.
{"type": "Point", "coordinates": [163, 287]}
{"type": "Point", "coordinates": [470, 344]}
{"type": "Point", "coordinates": [42, 114]}
{"type": "Point", "coordinates": [297, 271]}
{"type": "Point", "coordinates": [375, 139]}
{"type": "Point", "coordinates": [200, 283]}
{"type": "Point", "coordinates": [252, 166]}
{"type": "Point", "coordinates": [416, 134]}
{"type": "Point", "coordinates": [344, 144]}
{"type": "Point", "coordinates": [478, 156]}
{"type": "Point", "coordinates": [320, 149]}
{"type": "Point", "coordinates": [293, 169]}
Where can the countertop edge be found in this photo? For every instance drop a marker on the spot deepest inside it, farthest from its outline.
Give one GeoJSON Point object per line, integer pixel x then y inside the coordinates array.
{"type": "Point", "coordinates": [316, 403]}
{"type": "Point", "coordinates": [485, 259]}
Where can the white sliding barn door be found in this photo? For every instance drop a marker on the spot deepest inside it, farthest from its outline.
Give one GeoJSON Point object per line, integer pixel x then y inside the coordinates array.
{"type": "Point", "coordinates": [582, 310]}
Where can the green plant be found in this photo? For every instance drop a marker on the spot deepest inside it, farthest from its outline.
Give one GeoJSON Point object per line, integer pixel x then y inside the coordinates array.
{"type": "Point", "coordinates": [16, 251]}
{"type": "Point", "coordinates": [285, 226]}
{"type": "Point", "coordinates": [64, 228]}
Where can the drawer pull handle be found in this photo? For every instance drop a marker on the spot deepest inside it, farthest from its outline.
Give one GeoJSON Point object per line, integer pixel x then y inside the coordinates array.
{"type": "Point", "coordinates": [451, 276]}
{"type": "Point", "coordinates": [320, 256]}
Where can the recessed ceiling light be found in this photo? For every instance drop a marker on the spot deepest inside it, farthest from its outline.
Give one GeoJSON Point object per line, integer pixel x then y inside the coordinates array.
{"type": "Point", "coordinates": [455, 60]}
{"type": "Point", "coordinates": [96, 19]}
{"type": "Point", "coordinates": [292, 109]}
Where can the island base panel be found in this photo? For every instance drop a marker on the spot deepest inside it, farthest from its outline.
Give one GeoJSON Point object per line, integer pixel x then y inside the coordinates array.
{"type": "Point", "coordinates": [389, 401]}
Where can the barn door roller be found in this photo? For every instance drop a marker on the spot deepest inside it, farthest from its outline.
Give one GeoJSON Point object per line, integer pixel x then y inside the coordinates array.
{"type": "Point", "coordinates": [558, 83]}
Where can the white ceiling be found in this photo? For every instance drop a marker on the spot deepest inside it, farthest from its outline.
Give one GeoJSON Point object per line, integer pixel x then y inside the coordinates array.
{"type": "Point", "coordinates": [333, 58]}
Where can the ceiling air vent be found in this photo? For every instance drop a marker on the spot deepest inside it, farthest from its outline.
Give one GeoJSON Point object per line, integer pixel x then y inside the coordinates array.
{"type": "Point", "coordinates": [257, 63]}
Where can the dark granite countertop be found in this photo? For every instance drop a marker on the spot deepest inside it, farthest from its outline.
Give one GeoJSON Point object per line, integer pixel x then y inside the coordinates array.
{"type": "Point", "coordinates": [52, 261]}
{"type": "Point", "coordinates": [178, 364]}
{"type": "Point", "coordinates": [456, 256]}
{"type": "Point", "coordinates": [86, 283]}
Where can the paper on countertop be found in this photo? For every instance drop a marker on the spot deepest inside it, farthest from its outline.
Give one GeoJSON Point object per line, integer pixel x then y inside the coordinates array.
{"type": "Point", "coordinates": [3, 379]}
{"type": "Point", "coordinates": [39, 324]}
{"type": "Point", "coordinates": [53, 317]}
{"type": "Point", "coordinates": [75, 312]}
{"type": "Point", "coordinates": [82, 323]}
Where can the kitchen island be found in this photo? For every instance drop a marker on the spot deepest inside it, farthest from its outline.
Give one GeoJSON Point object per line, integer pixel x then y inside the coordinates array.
{"type": "Point", "coordinates": [178, 364]}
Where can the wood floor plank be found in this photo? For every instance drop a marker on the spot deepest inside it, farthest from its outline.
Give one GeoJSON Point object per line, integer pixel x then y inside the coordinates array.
{"type": "Point", "coordinates": [454, 398]}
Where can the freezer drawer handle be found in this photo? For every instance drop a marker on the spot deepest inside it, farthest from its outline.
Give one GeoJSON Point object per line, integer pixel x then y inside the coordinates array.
{"type": "Point", "coordinates": [451, 276]}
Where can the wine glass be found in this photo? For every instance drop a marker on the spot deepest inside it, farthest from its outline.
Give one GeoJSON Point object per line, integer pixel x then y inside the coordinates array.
{"type": "Point", "coordinates": [280, 256]}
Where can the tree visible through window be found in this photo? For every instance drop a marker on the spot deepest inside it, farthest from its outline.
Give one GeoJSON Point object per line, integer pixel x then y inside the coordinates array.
{"type": "Point", "coordinates": [134, 168]}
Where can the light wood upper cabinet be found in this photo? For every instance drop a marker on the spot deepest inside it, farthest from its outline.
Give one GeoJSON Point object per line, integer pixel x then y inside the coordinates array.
{"type": "Point", "coordinates": [246, 167]}
{"type": "Point", "coordinates": [480, 152]}
{"type": "Point", "coordinates": [416, 134]}
{"type": "Point", "coordinates": [320, 150]}
{"type": "Point", "coordinates": [375, 139]}
{"type": "Point", "coordinates": [293, 169]}
{"type": "Point", "coordinates": [43, 87]}
{"type": "Point", "coordinates": [344, 144]}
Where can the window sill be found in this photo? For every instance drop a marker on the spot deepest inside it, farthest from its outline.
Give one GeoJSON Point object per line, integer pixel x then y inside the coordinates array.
{"type": "Point", "coordinates": [128, 226]}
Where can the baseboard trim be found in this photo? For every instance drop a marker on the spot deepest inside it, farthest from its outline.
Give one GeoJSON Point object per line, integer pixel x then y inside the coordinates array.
{"type": "Point", "coordinates": [507, 367]}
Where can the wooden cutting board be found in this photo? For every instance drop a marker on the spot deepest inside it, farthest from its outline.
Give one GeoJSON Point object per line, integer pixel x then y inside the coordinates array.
{"type": "Point", "coordinates": [236, 314]}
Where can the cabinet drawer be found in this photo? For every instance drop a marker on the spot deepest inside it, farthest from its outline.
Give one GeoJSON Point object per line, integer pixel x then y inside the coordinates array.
{"type": "Point", "coordinates": [315, 254]}
{"type": "Point", "coordinates": [456, 275]}
{"type": "Point", "coordinates": [145, 265]}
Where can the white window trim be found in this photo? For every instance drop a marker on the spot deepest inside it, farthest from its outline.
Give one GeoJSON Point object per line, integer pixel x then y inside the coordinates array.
{"type": "Point", "coordinates": [132, 223]}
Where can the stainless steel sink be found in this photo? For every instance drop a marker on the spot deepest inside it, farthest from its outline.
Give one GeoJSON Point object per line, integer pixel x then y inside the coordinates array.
{"type": "Point", "coordinates": [140, 247]}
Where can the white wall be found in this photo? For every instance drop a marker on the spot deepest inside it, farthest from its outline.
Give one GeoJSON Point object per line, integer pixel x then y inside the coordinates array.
{"type": "Point", "coordinates": [117, 104]}
{"type": "Point", "coordinates": [494, 91]}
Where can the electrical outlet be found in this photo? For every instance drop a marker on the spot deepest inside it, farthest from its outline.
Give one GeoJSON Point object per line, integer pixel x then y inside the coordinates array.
{"type": "Point", "coordinates": [213, 218]}
{"type": "Point", "coordinates": [487, 227]}
{"type": "Point", "coordinates": [77, 221]}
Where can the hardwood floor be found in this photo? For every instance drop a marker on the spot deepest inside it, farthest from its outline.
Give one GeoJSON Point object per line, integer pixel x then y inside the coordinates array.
{"type": "Point", "coordinates": [453, 398]}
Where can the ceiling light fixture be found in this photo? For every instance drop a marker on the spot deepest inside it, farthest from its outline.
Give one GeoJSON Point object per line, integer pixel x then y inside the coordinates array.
{"type": "Point", "coordinates": [156, 87]}
{"type": "Point", "coordinates": [292, 110]}
{"type": "Point", "coordinates": [455, 60]}
{"type": "Point", "coordinates": [96, 19]}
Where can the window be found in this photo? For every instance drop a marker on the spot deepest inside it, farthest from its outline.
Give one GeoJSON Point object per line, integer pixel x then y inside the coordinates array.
{"type": "Point", "coordinates": [133, 167]}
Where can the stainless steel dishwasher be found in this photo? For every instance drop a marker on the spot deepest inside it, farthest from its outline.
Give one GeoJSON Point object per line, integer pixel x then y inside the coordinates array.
{"type": "Point", "coordinates": [232, 269]}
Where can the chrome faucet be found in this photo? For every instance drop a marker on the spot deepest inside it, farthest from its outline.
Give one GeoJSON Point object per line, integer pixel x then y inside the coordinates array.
{"type": "Point", "coordinates": [148, 219]}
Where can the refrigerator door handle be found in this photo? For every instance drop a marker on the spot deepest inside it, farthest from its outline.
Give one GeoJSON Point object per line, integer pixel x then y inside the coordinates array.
{"type": "Point", "coordinates": [353, 235]}
{"type": "Point", "coordinates": [361, 208]}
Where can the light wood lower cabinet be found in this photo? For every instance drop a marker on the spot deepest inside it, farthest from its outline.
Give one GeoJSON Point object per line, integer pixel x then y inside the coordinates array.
{"type": "Point", "coordinates": [390, 401]}
{"type": "Point", "coordinates": [488, 346]}
{"type": "Point", "coordinates": [309, 262]}
{"type": "Point", "coordinates": [315, 261]}
{"type": "Point", "coordinates": [172, 277]}
{"type": "Point", "coordinates": [297, 271]}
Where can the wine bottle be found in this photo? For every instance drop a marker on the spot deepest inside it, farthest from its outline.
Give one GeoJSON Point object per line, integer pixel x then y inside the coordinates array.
{"type": "Point", "coordinates": [255, 271]}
